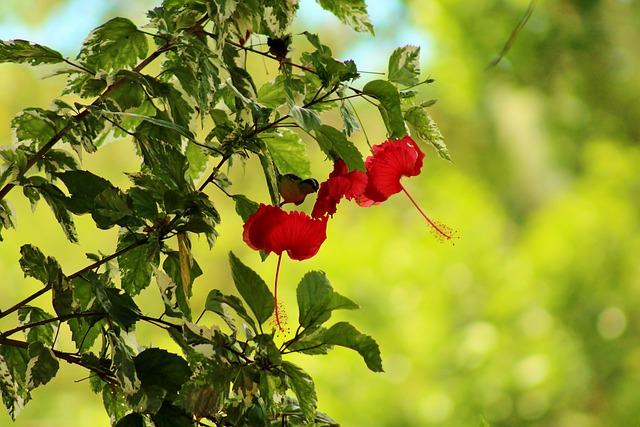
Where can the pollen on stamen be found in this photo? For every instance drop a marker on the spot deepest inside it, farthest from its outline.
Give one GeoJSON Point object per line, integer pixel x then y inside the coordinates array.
{"type": "Point", "coordinates": [443, 232]}
{"type": "Point", "coordinates": [280, 320]}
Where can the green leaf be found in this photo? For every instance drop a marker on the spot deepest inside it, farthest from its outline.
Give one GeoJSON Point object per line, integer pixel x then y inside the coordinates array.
{"type": "Point", "coordinates": [177, 106]}
{"type": "Point", "coordinates": [34, 263]}
{"type": "Point", "coordinates": [389, 107]}
{"type": "Point", "coordinates": [245, 207]}
{"type": "Point", "coordinates": [310, 342]}
{"type": "Point", "coordinates": [289, 153]}
{"type": "Point", "coordinates": [56, 160]}
{"type": "Point", "coordinates": [302, 385]}
{"type": "Point", "coordinates": [159, 368]}
{"type": "Point", "coordinates": [426, 130]}
{"type": "Point", "coordinates": [272, 94]}
{"type": "Point", "coordinates": [43, 333]}
{"type": "Point", "coordinates": [143, 203]}
{"type": "Point", "coordinates": [316, 300]}
{"type": "Point", "coordinates": [162, 154]}
{"type": "Point", "coordinates": [306, 118]}
{"type": "Point", "coordinates": [118, 305]}
{"type": "Point", "coordinates": [252, 289]}
{"type": "Point", "coordinates": [329, 70]}
{"type": "Point", "coordinates": [349, 119]}
{"type": "Point", "coordinates": [131, 420]}
{"type": "Point", "coordinates": [37, 125]}
{"type": "Point", "coordinates": [42, 367]}
{"type": "Point", "coordinates": [13, 372]}
{"type": "Point", "coordinates": [172, 267]}
{"type": "Point", "coordinates": [336, 145]}
{"type": "Point", "coordinates": [172, 416]}
{"type": "Point", "coordinates": [22, 51]}
{"type": "Point", "coordinates": [83, 187]}
{"type": "Point", "coordinates": [173, 290]}
{"type": "Point", "coordinates": [85, 330]}
{"type": "Point", "coordinates": [216, 302]}
{"type": "Point", "coordinates": [351, 12]}
{"type": "Point", "coordinates": [112, 207]}
{"type": "Point", "coordinates": [270, 175]}
{"type": "Point", "coordinates": [201, 397]}
{"type": "Point", "coordinates": [124, 365]}
{"type": "Point", "coordinates": [114, 402]}
{"type": "Point", "coordinates": [56, 200]}
{"type": "Point", "coordinates": [62, 294]}
{"type": "Point", "coordinates": [136, 265]}
{"type": "Point", "coordinates": [129, 95]}
{"type": "Point", "coordinates": [198, 158]}
{"type": "Point", "coordinates": [157, 121]}
{"type": "Point", "coordinates": [404, 65]}
{"type": "Point", "coordinates": [48, 271]}
{"type": "Point", "coordinates": [174, 306]}
{"type": "Point", "coordinates": [7, 217]}
{"type": "Point", "coordinates": [148, 399]}
{"type": "Point", "coordinates": [345, 335]}
{"type": "Point", "coordinates": [114, 45]}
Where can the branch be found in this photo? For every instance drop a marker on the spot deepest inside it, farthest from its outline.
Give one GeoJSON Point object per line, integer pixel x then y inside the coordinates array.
{"type": "Point", "coordinates": [79, 66]}
{"type": "Point", "coordinates": [295, 338]}
{"type": "Point", "coordinates": [155, 321]}
{"type": "Point", "coordinates": [62, 318]}
{"type": "Point", "coordinates": [214, 172]}
{"type": "Point", "coordinates": [293, 64]}
{"type": "Point", "coordinates": [114, 255]}
{"type": "Point", "coordinates": [267, 55]}
{"type": "Point", "coordinates": [140, 242]}
{"type": "Point", "coordinates": [71, 358]}
{"type": "Point", "coordinates": [108, 91]}
{"type": "Point", "coordinates": [303, 349]}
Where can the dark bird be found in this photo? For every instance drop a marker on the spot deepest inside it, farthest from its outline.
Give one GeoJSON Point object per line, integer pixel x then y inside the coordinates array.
{"type": "Point", "coordinates": [294, 189]}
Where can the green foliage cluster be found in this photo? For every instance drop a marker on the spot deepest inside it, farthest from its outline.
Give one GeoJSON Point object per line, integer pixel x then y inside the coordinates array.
{"type": "Point", "coordinates": [232, 373]}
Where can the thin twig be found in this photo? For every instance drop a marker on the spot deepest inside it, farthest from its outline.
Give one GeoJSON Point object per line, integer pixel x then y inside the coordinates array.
{"type": "Point", "coordinates": [366, 137]}
{"type": "Point", "coordinates": [71, 358]}
{"type": "Point", "coordinates": [51, 320]}
{"type": "Point", "coordinates": [79, 66]}
{"type": "Point", "coordinates": [514, 34]}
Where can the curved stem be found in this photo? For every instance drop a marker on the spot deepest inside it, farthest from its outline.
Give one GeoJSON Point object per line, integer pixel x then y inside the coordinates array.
{"type": "Point", "coordinates": [275, 296]}
{"type": "Point", "coordinates": [439, 229]}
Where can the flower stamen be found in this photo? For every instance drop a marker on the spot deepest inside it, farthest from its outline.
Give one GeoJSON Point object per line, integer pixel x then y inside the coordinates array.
{"type": "Point", "coordinates": [441, 231]}
{"type": "Point", "coordinates": [275, 297]}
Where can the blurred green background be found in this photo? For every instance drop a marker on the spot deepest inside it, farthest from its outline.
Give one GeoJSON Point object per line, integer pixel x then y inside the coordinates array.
{"type": "Point", "coordinates": [529, 319]}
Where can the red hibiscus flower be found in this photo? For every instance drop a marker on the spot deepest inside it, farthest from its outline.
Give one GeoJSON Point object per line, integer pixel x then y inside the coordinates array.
{"type": "Point", "coordinates": [273, 230]}
{"type": "Point", "coordinates": [390, 161]}
{"type": "Point", "coordinates": [341, 183]}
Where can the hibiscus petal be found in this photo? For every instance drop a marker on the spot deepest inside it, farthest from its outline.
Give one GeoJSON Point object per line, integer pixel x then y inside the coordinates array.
{"type": "Point", "coordinates": [341, 183]}
{"type": "Point", "coordinates": [300, 235]}
{"type": "Point", "coordinates": [273, 230]}
{"type": "Point", "coordinates": [259, 225]}
{"type": "Point", "coordinates": [390, 161]}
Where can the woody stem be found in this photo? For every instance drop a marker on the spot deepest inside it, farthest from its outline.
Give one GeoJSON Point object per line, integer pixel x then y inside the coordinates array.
{"type": "Point", "coordinates": [275, 296]}
{"type": "Point", "coordinates": [435, 226]}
